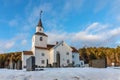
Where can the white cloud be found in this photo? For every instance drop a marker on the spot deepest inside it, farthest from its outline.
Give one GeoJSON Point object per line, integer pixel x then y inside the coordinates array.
{"type": "Point", "coordinates": [9, 45]}
{"type": "Point", "coordinates": [6, 45]}
{"type": "Point", "coordinates": [96, 34]}
{"type": "Point", "coordinates": [85, 37]}
{"type": "Point", "coordinates": [103, 36]}
{"type": "Point", "coordinates": [115, 32]}
{"type": "Point", "coordinates": [92, 26]}
{"type": "Point", "coordinates": [16, 43]}
{"type": "Point", "coordinates": [96, 27]}
{"type": "Point", "coordinates": [56, 36]}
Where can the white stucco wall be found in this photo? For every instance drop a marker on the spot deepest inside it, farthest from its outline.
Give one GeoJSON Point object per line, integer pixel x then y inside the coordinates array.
{"type": "Point", "coordinates": [63, 50]}
{"type": "Point", "coordinates": [33, 41]}
{"type": "Point", "coordinates": [24, 58]}
{"type": "Point", "coordinates": [82, 64]}
{"type": "Point", "coordinates": [75, 59]}
{"type": "Point", "coordinates": [51, 56]}
{"type": "Point", "coordinates": [36, 41]}
{"type": "Point", "coordinates": [33, 50]}
{"type": "Point", "coordinates": [39, 29]}
{"type": "Point", "coordinates": [39, 57]}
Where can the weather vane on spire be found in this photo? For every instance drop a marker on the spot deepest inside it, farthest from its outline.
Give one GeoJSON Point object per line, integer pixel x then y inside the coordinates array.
{"type": "Point", "coordinates": [40, 13]}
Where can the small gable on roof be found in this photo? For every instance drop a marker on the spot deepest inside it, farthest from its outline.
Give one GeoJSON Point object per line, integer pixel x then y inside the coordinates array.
{"type": "Point", "coordinates": [74, 50]}
{"type": "Point", "coordinates": [27, 52]}
{"type": "Point", "coordinates": [63, 44]}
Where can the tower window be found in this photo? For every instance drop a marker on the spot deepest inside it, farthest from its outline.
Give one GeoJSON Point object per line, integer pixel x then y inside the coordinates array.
{"type": "Point", "coordinates": [40, 29]}
{"type": "Point", "coordinates": [43, 54]}
{"type": "Point", "coordinates": [41, 38]}
{"type": "Point", "coordinates": [67, 53]}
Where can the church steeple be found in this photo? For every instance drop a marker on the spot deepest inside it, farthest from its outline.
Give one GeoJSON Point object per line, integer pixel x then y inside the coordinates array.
{"type": "Point", "coordinates": [39, 38]}
{"type": "Point", "coordinates": [40, 23]}
{"type": "Point", "coordinates": [39, 27]}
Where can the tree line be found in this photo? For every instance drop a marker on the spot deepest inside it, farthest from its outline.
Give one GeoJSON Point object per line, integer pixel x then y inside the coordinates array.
{"type": "Point", "coordinates": [112, 55]}
{"type": "Point", "coordinates": [7, 58]}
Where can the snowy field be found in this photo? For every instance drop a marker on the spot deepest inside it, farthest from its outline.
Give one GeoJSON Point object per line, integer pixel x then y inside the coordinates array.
{"type": "Point", "coordinates": [62, 74]}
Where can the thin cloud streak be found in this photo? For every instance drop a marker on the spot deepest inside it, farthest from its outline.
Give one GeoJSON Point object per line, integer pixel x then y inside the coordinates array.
{"type": "Point", "coordinates": [86, 37]}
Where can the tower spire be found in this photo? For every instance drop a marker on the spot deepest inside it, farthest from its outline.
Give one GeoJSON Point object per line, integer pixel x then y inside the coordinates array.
{"type": "Point", "coordinates": [40, 22]}
{"type": "Point", "coordinates": [40, 13]}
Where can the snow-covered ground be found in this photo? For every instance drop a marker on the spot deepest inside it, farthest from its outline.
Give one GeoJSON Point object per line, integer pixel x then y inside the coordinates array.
{"type": "Point", "coordinates": [62, 74]}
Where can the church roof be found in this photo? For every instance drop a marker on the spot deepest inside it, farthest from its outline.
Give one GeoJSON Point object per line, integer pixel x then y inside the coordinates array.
{"type": "Point", "coordinates": [27, 52]}
{"type": "Point", "coordinates": [39, 33]}
{"type": "Point", "coordinates": [40, 23]}
{"type": "Point", "coordinates": [74, 50]}
{"type": "Point", "coordinates": [49, 46]}
{"type": "Point", "coordinates": [40, 47]}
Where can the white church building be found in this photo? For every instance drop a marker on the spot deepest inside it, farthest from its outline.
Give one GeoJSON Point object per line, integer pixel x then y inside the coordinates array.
{"type": "Point", "coordinates": [59, 54]}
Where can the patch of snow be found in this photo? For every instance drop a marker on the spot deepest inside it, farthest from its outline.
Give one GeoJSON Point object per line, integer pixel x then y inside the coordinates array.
{"type": "Point", "coordinates": [62, 74]}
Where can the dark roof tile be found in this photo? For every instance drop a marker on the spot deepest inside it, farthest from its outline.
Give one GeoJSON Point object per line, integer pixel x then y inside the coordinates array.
{"type": "Point", "coordinates": [49, 46]}
{"type": "Point", "coordinates": [39, 33]}
{"type": "Point", "coordinates": [27, 52]}
{"type": "Point", "coordinates": [74, 50]}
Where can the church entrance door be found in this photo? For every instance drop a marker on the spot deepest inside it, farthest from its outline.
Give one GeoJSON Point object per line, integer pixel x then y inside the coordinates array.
{"type": "Point", "coordinates": [58, 59]}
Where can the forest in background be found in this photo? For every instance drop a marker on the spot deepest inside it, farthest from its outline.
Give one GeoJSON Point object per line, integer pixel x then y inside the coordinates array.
{"type": "Point", "coordinates": [112, 55]}
{"type": "Point", "coordinates": [7, 58]}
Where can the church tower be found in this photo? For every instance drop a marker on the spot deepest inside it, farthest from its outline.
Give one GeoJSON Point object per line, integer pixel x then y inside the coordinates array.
{"type": "Point", "coordinates": [39, 27]}
{"type": "Point", "coordinates": [39, 38]}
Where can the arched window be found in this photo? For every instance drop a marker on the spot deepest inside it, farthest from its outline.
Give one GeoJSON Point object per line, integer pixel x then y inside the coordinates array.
{"type": "Point", "coordinates": [67, 53]}
{"type": "Point", "coordinates": [68, 61]}
{"type": "Point", "coordinates": [41, 38]}
{"type": "Point", "coordinates": [40, 29]}
{"type": "Point", "coordinates": [72, 56]}
{"type": "Point", "coordinates": [57, 52]}
{"type": "Point", "coordinates": [43, 54]}
{"type": "Point", "coordinates": [73, 62]}
{"type": "Point", "coordinates": [42, 61]}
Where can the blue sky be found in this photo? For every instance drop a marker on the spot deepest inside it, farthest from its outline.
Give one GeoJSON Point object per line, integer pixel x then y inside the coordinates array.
{"type": "Point", "coordinates": [78, 22]}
